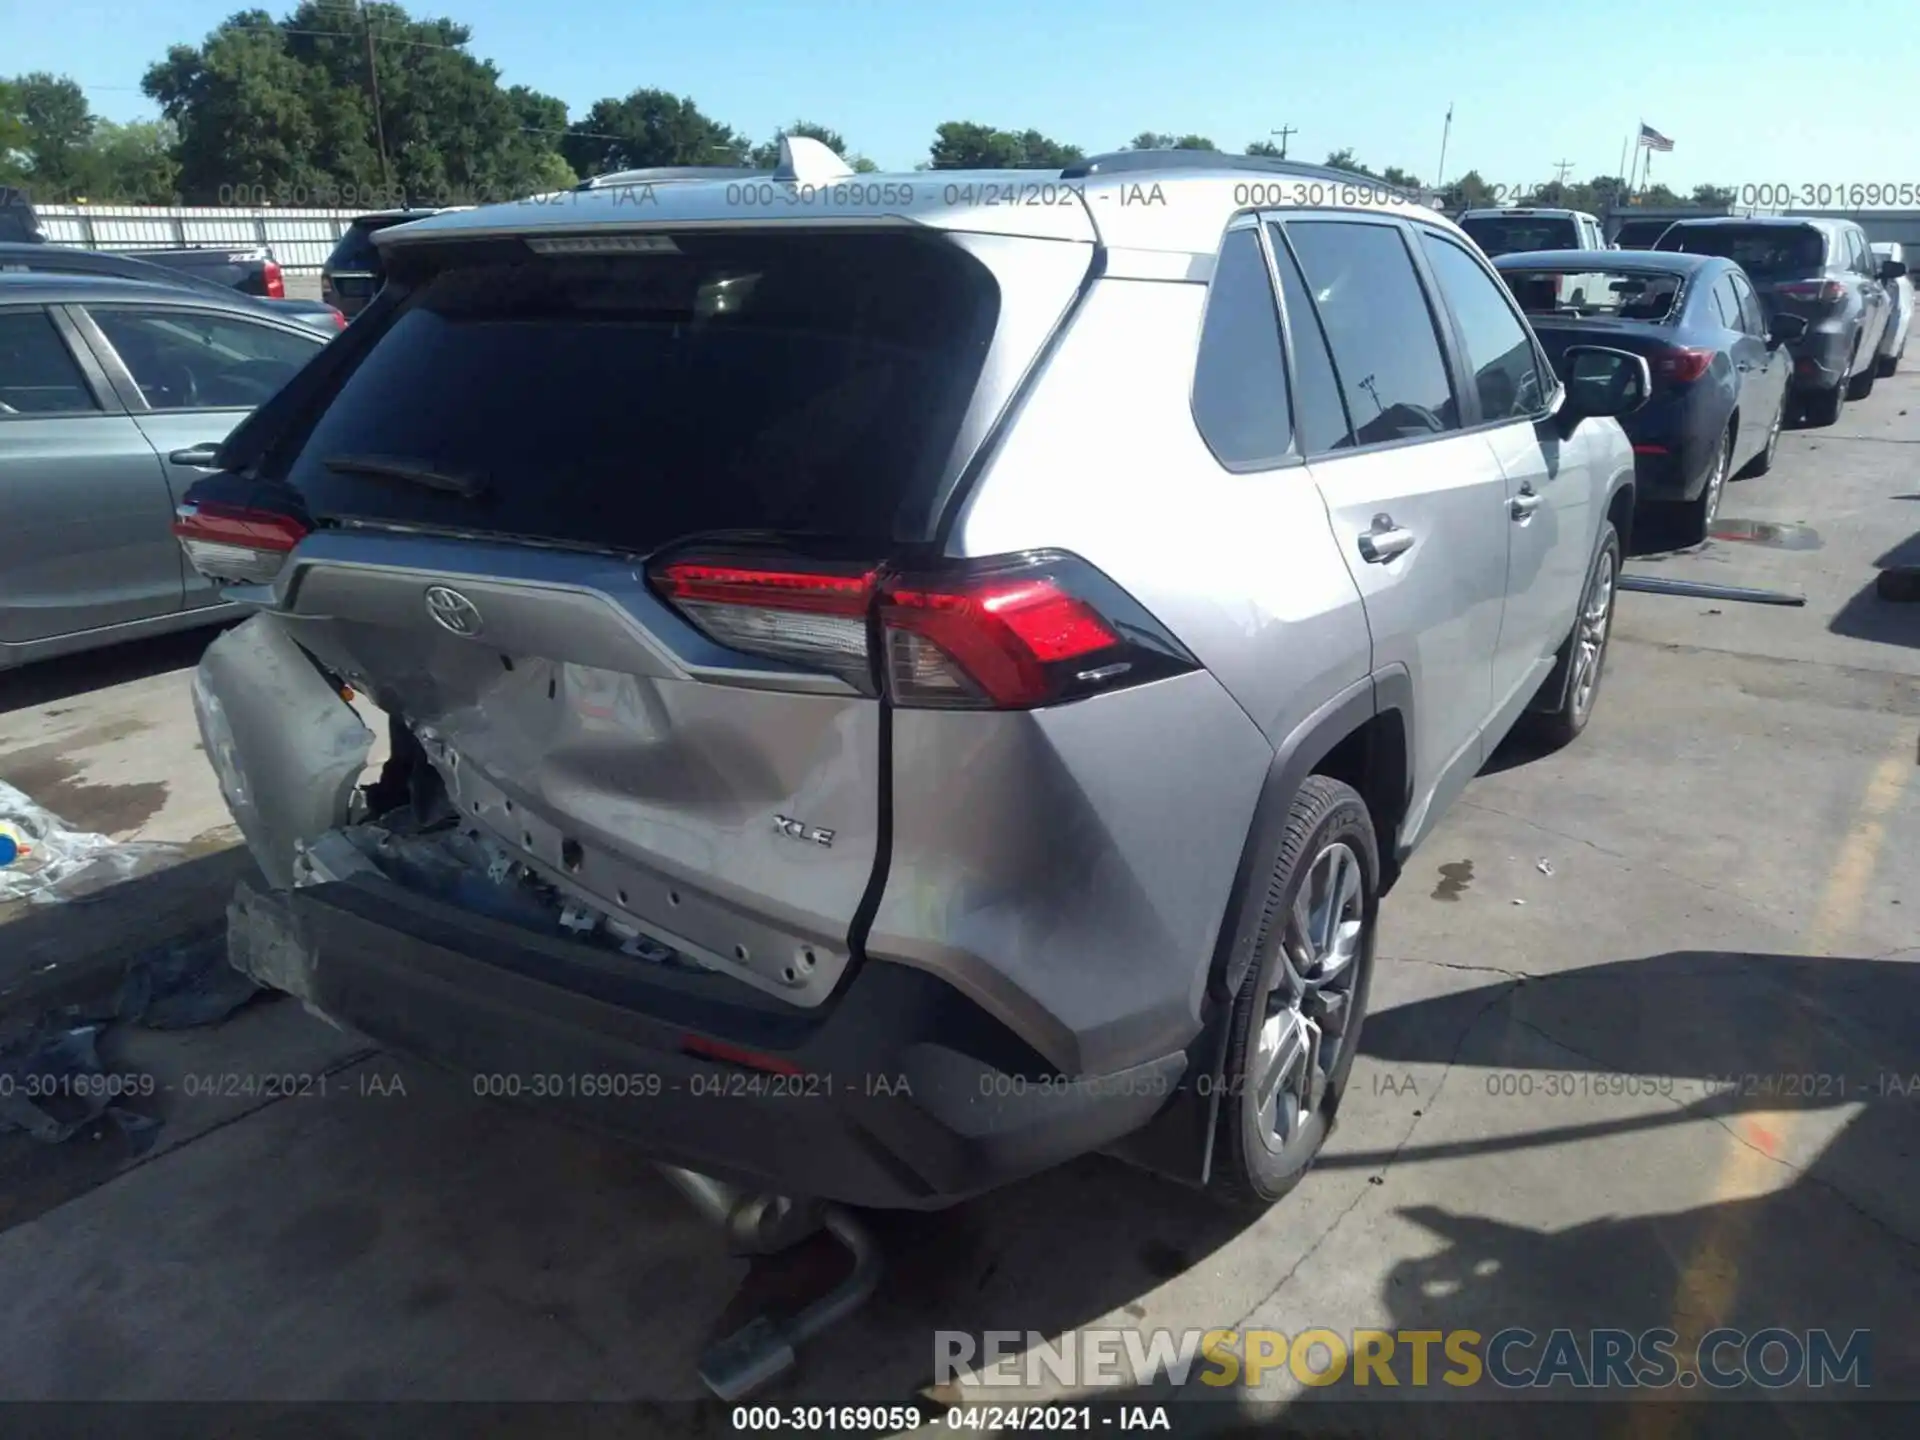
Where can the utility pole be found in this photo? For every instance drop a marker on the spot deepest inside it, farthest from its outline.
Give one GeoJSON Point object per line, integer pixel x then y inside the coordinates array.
{"type": "Point", "coordinates": [1283, 132]}
{"type": "Point", "coordinates": [1565, 167]}
{"type": "Point", "coordinates": [1440, 175]}
{"type": "Point", "coordinates": [373, 85]}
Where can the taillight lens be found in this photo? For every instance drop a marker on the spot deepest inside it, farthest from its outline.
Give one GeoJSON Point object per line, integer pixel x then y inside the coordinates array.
{"type": "Point", "coordinates": [816, 618]}
{"type": "Point", "coordinates": [276, 285]}
{"type": "Point", "coordinates": [1016, 633]}
{"type": "Point", "coordinates": [1818, 292]}
{"type": "Point", "coordinates": [339, 320]}
{"type": "Point", "coordinates": [1010, 633]}
{"type": "Point", "coordinates": [236, 543]}
{"type": "Point", "coordinates": [1681, 366]}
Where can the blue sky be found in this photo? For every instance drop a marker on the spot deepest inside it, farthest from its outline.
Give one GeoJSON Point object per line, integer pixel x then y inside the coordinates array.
{"type": "Point", "coordinates": [1753, 91]}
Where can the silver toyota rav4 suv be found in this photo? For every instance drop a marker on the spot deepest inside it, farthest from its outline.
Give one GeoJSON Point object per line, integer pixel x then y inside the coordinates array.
{"type": "Point", "coordinates": [899, 681]}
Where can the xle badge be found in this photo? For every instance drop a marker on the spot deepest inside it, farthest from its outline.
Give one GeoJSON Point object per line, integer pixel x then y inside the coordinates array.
{"type": "Point", "coordinates": [794, 830]}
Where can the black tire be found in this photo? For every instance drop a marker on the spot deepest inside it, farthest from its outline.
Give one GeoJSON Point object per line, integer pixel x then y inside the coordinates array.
{"type": "Point", "coordinates": [1887, 364]}
{"type": "Point", "coordinates": [1763, 462]}
{"type": "Point", "coordinates": [1822, 407]}
{"type": "Point", "coordinates": [1551, 729]}
{"type": "Point", "coordinates": [1250, 1169]}
{"type": "Point", "coordinates": [1861, 385]}
{"type": "Point", "coordinates": [1696, 517]}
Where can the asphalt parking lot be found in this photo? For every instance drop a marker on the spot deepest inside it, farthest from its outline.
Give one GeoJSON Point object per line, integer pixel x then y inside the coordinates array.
{"type": "Point", "coordinates": [1645, 1052]}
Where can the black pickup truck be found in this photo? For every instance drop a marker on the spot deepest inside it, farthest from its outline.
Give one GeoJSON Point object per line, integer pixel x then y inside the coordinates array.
{"type": "Point", "coordinates": [249, 270]}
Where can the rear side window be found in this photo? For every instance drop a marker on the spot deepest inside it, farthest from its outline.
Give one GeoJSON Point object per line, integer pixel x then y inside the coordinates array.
{"type": "Point", "coordinates": [1752, 319]}
{"type": "Point", "coordinates": [806, 384]}
{"type": "Point", "coordinates": [1510, 234]}
{"type": "Point", "coordinates": [356, 250]}
{"type": "Point", "coordinates": [1724, 307]}
{"type": "Point", "coordinates": [188, 360]}
{"type": "Point", "coordinates": [1367, 294]}
{"type": "Point", "coordinates": [38, 375]}
{"type": "Point", "coordinates": [1506, 373]}
{"type": "Point", "coordinates": [1240, 378]}
{"type": "Point", "coordinates": [1320, 413]}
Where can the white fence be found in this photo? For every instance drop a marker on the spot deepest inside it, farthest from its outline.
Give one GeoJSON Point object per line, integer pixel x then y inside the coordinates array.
{"type": "Point", "coordinates": [298, 240]}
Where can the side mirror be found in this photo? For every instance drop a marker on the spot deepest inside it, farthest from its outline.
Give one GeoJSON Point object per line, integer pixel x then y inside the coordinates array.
{"type": "Point", "coordinates": [1601, 381]}
{"type": "Point", "coordinates": [1787, 330]}
{"type": "Point", "coordinates": [1891, 270]}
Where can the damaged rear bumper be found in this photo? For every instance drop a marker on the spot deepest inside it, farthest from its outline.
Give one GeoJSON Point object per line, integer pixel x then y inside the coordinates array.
{"type": "Point", "coordinates": [903, 1094]}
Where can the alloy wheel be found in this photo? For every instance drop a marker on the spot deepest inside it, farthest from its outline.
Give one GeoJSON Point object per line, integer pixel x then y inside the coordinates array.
{"type": "Point", "coordinates": [1596, 616]}
{"type": "Point", "coordinates": [1309, 997]}
{"type": "Point", "coordinates": [1773, 435]}
{"type": "Point", "coordinates": [1717, 483]}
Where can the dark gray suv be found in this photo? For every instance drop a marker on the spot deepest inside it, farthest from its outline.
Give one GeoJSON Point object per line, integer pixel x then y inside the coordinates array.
{"type": "Point", "coordinates": [1821, 270]}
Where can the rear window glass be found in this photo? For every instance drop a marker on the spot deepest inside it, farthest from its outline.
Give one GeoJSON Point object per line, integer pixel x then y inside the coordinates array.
{"type": "Point", "coordinates": [1510, 234]}
{"type": "Point", "coordinates": [805, 384]}
{"type": "Point", "coordinates": [1640, 234]}
{"type": "Point", "coordinates": [356, 250]}
{"type": "Point", "coordinates": [1757, 249]}
{"type": "Point", "coordinates": [1622, 294]}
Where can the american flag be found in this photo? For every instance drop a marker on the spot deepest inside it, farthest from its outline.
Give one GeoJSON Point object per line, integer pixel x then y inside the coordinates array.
{"type": "Point", "coordinates": [1653, 139]}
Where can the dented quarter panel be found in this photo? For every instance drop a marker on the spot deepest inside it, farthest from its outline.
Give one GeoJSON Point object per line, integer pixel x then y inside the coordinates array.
{"type": "Point", "coordinates": [286, 748]}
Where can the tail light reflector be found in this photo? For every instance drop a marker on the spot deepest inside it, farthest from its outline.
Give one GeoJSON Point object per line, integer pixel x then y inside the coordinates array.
{"type": "Point", "coordinates": [1010, 633]}
{"type": "Point", "coordinates": [339, 320]}
{"type": "Point", "coordinates": [1819, 292]}
{"type": "Point", "coordinates": [1682, 366]}
{"type": "Point", "coordinates": [276, 284]}
{"type": "Point", "coordinates": [1016, 633]}
{"type": "Point", "coordinates": [236, 543]}
{"type": "Point", "coordinates": [1649, 449]}
{"type": "Point", "coordinates": [814, 618]}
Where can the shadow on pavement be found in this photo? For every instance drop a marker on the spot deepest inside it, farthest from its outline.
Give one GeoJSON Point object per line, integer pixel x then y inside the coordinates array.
{"type": "Point", "coordinates": [1869, 616]}
{"type": "Point", "coordinates": [47, 682]}
{"type": "Point", "coordinates": [1771, 1060]}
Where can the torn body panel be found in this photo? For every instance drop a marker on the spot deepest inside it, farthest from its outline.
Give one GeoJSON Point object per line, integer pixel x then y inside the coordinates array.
{"type": "Point", "coordinates": [287, 749]}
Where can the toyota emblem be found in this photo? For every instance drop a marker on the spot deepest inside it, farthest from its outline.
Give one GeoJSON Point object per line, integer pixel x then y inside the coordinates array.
{"type": "Point", "coordinates": [452, 611]}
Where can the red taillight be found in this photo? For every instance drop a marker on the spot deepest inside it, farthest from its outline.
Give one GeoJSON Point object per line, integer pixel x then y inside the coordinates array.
{"type": "Point", "coordinates": [1818, 292]}
{"type": "Point", "coordinates": [1681, 366]}
{"type": "Point", "coordinates": [990, 643]}
{"type": "Point", "coordinates": [1649, 449]}
{"type": "Point", "coordinates": [235, 543]}
{"type": "Point", "coordinates": [339, 320]}
{"type": "Point", "coordinates": [1008, 633]}
{"type": "Point", "coordinates": [276, 286]}
{"type": "Point", "coordinates": [815, 618]}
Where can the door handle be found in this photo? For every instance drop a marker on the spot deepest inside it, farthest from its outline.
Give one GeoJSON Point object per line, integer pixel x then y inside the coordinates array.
{"type": "Point", "coordinates": [1522, 506]}
{"type": "Point", "coordinates": [202, 457]}
{"type": "Point", "coordinates": [1384, 541]}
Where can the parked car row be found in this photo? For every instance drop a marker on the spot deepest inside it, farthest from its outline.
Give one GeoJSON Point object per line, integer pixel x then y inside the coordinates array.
{"type": "Point", "coordinates": [1746, 322]}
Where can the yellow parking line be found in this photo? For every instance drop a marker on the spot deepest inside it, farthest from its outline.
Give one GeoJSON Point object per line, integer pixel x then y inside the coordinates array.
{"type": "Point", "coordinates": [1710, 1280]}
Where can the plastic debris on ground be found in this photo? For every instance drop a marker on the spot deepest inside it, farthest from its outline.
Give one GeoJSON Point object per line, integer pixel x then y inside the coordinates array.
{"type": "Point", "coordinates": [1545, 867]}
{"type": "Point", "coordinates": [59, 863]}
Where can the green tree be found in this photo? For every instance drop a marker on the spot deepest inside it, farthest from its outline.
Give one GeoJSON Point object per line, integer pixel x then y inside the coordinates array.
{"type": "Point", "coordinates": [1718, 197]}
{"type": "Point", "coordinates": [49, 135]}
{"type": "Point", "coordinates": [1469, 192]}
{"type": "Point", "coordinates": [1405, 179]}
{"type": "Point", "coordinates": [1264, 147]}
{"type": "Point", "coordinates": [649, 127]}
{"type": "Point", "coordinates": [1161, 140]}
{"type": "Point", "coordinates": [1660, 196]}
{"type": "Point", "coordinates": [1344, 160]}
{"type": "Point", "coordinates": [133, 164]}
{"type": "Point", "coordinates": [963, 145]}
{"type": "Point", "coordinates": [284, 112]}
{"type": "Point", "coordinates": [765, 157]}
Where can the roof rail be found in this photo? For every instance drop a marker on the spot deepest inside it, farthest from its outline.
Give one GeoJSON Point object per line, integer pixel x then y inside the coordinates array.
{"type": "Point", "coordinates": [661, 173]}
{"type": "Point", "coordinates": [1121, 162]}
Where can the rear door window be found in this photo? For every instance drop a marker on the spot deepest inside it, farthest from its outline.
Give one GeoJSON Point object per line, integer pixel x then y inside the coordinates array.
{"type": "Point", "coordinates": [38, 374]}
{"type": "Point", "coordinates": [193, 360]}
{"type": "Point", "coordinates": [1240, 378]}
{"type": "Point", "coordinates": [1392, 370]}
{"type": "Point", "coordinates": [1752, 319]}
{"type": "Point", "coordinates": [806, 384]}
{"type": "Point", "coordinates": [1320, 413]}
{"type": "Point", "coordinates": [1760, 250]}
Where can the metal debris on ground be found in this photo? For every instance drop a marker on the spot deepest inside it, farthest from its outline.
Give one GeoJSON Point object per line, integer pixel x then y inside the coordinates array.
{"type": "Point", "coordinates": [1701, 590]}
{"type": "Point", "coordinates": [1545, 867]}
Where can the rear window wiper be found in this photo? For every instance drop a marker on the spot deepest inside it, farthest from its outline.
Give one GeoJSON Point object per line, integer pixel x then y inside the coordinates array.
{"type": "Point", "coordinates": [466, 485]}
